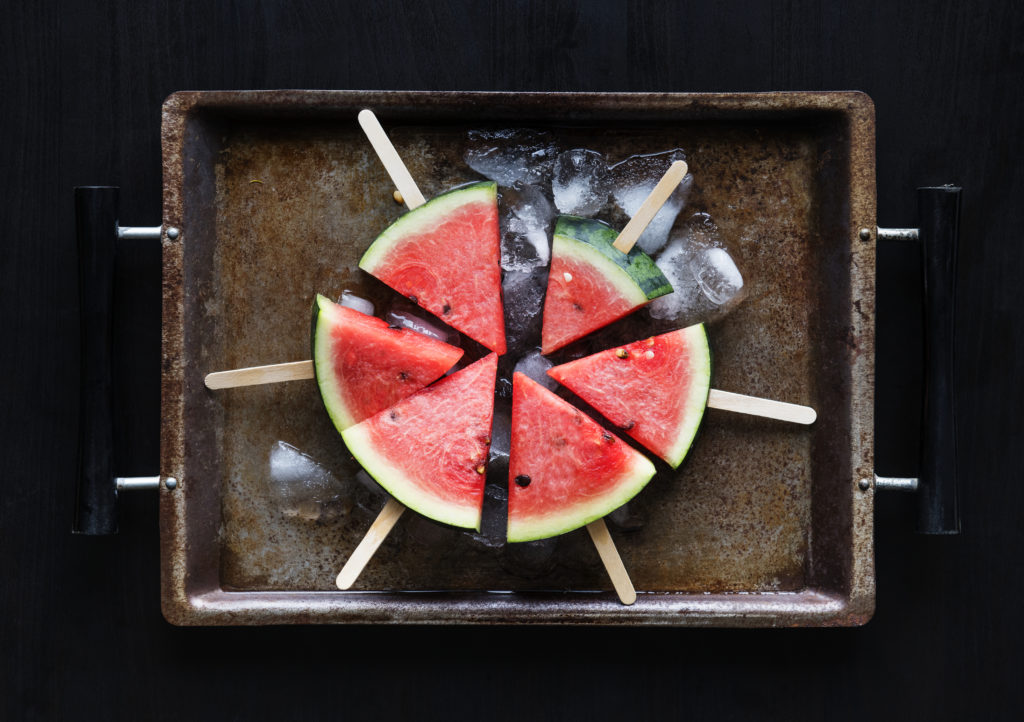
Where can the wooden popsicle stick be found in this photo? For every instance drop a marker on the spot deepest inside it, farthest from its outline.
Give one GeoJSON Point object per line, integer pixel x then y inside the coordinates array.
{"type": "Point", "coordinates": [254, 375]}
{"type": "Point", "coordinates": [612, 561]}
{"type": "Point", "coordinates": [650, 207]}
{"type": "Point", "coordinates": [390, 159]}
{"type": "Point", "coordinates": [742, 404]}
{"type": "Point", "coordinates": [374, 537]}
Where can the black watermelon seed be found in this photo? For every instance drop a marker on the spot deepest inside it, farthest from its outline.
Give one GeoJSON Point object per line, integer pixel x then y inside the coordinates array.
{"type": "Point", "coordinates": [607, 437]}
{"type": "Point", "coordinates": [577, 307]}
{"type": "Point", "coordinates": [446, 309]}
{"type": "Point", "coordinates": [394, 415]}
{"type": "Point", "coordinates": [523, 480]}
{"type": "Point", "coordinates": [402, 376]}
{"type": "Point", "coordinates": [413, 298]}
{"type": "Point", "coordinates": [628, 425]}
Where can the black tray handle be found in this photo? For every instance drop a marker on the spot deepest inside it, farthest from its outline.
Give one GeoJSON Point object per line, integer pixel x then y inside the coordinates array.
{"type": "Point", "coordinates": [939, 219]}
{"type": "Point", "coordinates": [96, 230]}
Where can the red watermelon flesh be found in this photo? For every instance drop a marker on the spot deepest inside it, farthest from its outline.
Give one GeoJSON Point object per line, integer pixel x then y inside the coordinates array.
{"type": "Point", "coordinates": [363, 366]}
{"type": "Point", "coordinates": [444, 256]}
{"type": "Point", "coordinates": [579, 300]}
{"type": "Point", "coordinates": [591, 283]}
{"type": "Point", "coordinates": [655, 390]}
{"type": "Point", "coordinates": [430, 450]}
{"type": "Point", "coordinates": [565, 470]}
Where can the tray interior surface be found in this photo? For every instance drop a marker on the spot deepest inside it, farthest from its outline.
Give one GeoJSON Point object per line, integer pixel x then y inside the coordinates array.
{"type": "Point", "coordinates": [284, 206]}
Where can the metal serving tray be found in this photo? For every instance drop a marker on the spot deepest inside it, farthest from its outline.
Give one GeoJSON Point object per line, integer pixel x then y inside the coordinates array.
{"type": "Point", "coordinates": [276, 195]}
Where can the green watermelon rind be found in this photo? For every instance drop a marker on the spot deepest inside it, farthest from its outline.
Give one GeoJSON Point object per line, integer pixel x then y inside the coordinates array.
{"type": "Point", "coordinates": [640, 270]}
{"type": "Point", "coordinates": [320, 336]}
{"type": "Point", "coordinates": [628, 485]}
{"type": "Point", "coordinates": [433, 211]}
{"type": "Point", "coordinates": [697, 401]}
{"type": "Point", "coordinates": [401, 486]}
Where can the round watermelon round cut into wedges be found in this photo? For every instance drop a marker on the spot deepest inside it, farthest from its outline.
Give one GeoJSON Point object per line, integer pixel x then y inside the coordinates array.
{"type": "Point", "coordinates": [565, 470]}
{"type": "Point", "coordinates": [445, 256]}
{"type": "Point", "coordinates": [363, 366]}
{"type": "Point", "coordinates": [591, 283]}
{"type": "Point", "coordinates": [430, 450]}
{"type": "Point", "coordinates": [655, 390]}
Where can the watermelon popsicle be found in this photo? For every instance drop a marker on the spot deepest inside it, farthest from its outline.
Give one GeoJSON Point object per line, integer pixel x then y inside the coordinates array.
{"type": "Point", "coordinates": [596, 275]}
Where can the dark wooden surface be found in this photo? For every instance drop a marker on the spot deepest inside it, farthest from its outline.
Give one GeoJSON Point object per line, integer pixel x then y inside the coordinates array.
{"type": "Point", "coordinates": [81, 634]}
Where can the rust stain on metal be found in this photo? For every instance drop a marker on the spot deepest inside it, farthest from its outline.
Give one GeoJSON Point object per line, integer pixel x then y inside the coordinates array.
{"type": "Point", "coordinates": [763, 525]}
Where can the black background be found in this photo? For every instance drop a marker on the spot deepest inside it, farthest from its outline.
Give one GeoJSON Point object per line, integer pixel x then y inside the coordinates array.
{"type": "Point", "coordinates": [81, 635]}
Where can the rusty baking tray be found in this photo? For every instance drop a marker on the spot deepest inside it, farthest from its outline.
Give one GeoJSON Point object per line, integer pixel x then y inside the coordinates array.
{"type": "Point", "coordinates": [274, 195]}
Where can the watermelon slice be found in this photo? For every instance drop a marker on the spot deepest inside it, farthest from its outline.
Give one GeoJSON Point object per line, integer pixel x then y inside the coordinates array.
{"type": "Point", "coordinates": [655, 390]}
{"type": "Point", "coordinates": [565, 471]}
{"type": "Point", "coordinates": [363, 366]}
{"type": "Point", "coordinates": [445, 256]}
{"type": "Point", "coordinates": [591, 283]}
{"type": "Point", "coordinates": [430, 450]}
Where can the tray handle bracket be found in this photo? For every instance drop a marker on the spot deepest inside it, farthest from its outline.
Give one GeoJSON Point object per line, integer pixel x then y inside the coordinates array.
{"type": "Point", "coordinates": [939, 235]}
{"type": "Point", "coordinates": [97, 232]}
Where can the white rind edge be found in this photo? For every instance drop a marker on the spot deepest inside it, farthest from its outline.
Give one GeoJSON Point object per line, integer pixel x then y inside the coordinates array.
{"type": "Point", "coordinates": [697, 338]}
{"type": "Point", "coordinates": [434, 209]}
{"type": "Point", "coordinates": [401, 486]}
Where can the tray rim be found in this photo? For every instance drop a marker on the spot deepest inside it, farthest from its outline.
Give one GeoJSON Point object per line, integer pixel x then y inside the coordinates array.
{"type": "Point", "coordinates": [188, 601]}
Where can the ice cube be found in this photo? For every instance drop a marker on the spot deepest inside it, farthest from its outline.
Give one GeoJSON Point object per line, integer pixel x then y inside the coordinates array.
{"type": "Point", "coordinates": [302, 488]}
{"type": "Point", "coordinates": [427, 534]}
{"type": "Point", "coordinates": [530, 559]}
{"type": "Point", "coordinates": [717, 275]}
{"type": "Point", "coordinates": [706, 279]}
{"type": "Point", "coordinates": [535, 366]}
{"type": "Point", "coordinates": [494, 519]}
{"type": "Point", "coordinates": [523, 298]}
{"type": "Point", "coordinates": [501, 435]}
{"type": "Point", "coordinates": [356, 303]}
{"type": "Point", "coordinates": [684, 304]}
{"type": "Point", "coordinates": [510, 155]}
{"type": "Point", "coordinates": [627, 518]}
{"type": "Point", "coordinates": [580, 182]}
{"type": "Point", "coordinates": [404, 315]}
{"type": "Point", "coordinates": [525, 221]}
{"type": "Point", "coordinates": [633, 180]}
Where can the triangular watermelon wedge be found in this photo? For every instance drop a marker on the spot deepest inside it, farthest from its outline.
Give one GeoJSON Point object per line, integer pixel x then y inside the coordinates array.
{"type": "Point", "coordinates": [363, 366]}
{"type": "Point", "coordinates": [655, 390]}
{"type": "Point", "coordinates": [565, 470]}
{"type": "Point", "coordinates": [445, 256]}
{"type": "Point", "coordinates": [591, 283]}
{"type": "Point", "coordinates": [430, 449]}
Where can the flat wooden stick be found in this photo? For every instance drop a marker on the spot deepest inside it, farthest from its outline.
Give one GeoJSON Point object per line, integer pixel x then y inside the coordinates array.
{"type": "Point", "coordinates": [741, 404]}
{"type": "Point", "coordinates": [650, 207]}
{"type": "Point", "coordinates": [254, 375]}
{"type": "Point", "coordinates": [375, 535]}
{"type": "Point", "coordinates": [612, 561]}
{"type": "Point", "coordinates": [390, 159]}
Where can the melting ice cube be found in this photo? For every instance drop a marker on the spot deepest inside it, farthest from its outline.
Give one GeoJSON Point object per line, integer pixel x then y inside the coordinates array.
{"type": "Point", "coordinates": [356, 303]}
{"type": "Point", "coordinates": [526, 220]}
{"type": "Point", "coordinates": [404, 315]}
{"type": "Point", "coordinates": [302, 488]}
{"type": "Point", "coordinates": [536, 367]}
{"type": "Point", "coordinates": [510, 155]}
{"type": "Point", "coordinates": [633, 180]}
{"type": "Point", "coordinates": [580, 182]}
{"type": "Point", "coordinates": [523, 297]}
{"type": "Point", "coordinates": [717, 275]}
{"type": "Point", "coordinates": [706, 279]}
